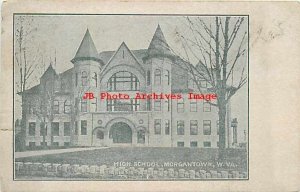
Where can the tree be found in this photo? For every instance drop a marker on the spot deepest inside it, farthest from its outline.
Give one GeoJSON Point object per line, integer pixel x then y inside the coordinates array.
{"type": "Point", "coordinates": [219, 47]}
{"type": "Point", "coordinates": [27, 62]}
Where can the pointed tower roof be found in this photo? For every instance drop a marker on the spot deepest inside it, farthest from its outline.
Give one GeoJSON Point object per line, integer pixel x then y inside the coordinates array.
{"type": "Point", "coordinates": [87, 49]}
{"type": "Point", "coordinates": [159, 45]}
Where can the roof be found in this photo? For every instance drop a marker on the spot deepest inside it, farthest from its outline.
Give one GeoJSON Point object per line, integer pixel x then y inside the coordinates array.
{"type": "Point", "coordinates": [32, 90]}
{"type": "Point", "coordinates": [105, 56]}
{"type": "Point", "coordinates": [87, 49]}
{"type": "Point", "coordinates": [159, 45]}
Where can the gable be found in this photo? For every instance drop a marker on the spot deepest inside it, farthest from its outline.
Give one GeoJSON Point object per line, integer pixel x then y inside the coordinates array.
{"type": "Point", "coordinates": [123, 56]}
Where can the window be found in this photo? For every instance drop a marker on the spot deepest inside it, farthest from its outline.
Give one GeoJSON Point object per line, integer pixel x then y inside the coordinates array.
{"type": "Point", "coordinates": [157, 105]}
{"type": "Point", "coordinates": [180, 144]}
{"type": "Point", "coordinates": [43, 129]}
{"type": "Point", "coordinates": [141, 136]}
{"type": "Point", "coordinates": [194, 127]}
{"type": "Point", "coordinates": [84, 78]}
{"type": "Point", "coordinates": [148, 77]}
{"type": "Point", "coordinates": [76, 79]}
{"type": "Point", "coordinates": [206, 144]}
{"type": "Point", "coordinates": [193, 106]}
{"type": "Point", "coordinates": [67, 106]}
{"type": "Point", "coordinates": [83, 105]}
{"type": "Point", "coordinates": [31, 145]}
{"type": "Point", "coordinates": [94, 105]}
{"type": "Point", "coordinates": [218, 128]}
{"type": "Point", "coordinates": [43, 143]}
{"type": "Point", "coordinates": [30, 108]}
{"type": "Point", "coordinates": [31, 128]}
{"type": "Point", "coordinates": [66, 144]}
{"type": "Point", "coordinates": [83, 127]}
{"type": "Point", "coordinates": [157, 126]}
{"type": "Point", "coordinates": [55, 129]}
{"type": "Point", "coordinates": [123, 105]}
{"type": "Point", "coordinates": [194, 144]}
{"type": "Point", "coordinates": [94, 79]}
{"type": "Point", "coordinates": [67, 129]}
{"type": "Point", "coordinates": [206, 127]}
{"type": "Point", "coordinates": [180, 127]}
{"type": "Point", "coordinates": [167, 127]}
{"type": "Point", "coordinates": [206, 106]}
{"type": "Point", "coordinates": [100, 135]}
{"type": "Point", "coordinates": [76, 128]}
{"type": "Point", "coordinates": [55, 107]}
{"type": "Point", "coordinates": [148, 105]}
{"type": "Point", "coordinates": [167, 75]}
{"type": "Point", "coordinates": [203, 83]}
{"type": "Point", "coordinates": [157, 77]}
{"type": "Point", "coordinates": [167, 104]}
{"type": "Point", "coordinates": [180, 105]}
{"type": "Point", "coordinates": [56, 144]}
{"type": "Point", "coordinates": [123, 81]}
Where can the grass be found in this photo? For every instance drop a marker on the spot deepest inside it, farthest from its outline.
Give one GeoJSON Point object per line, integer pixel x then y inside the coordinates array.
{"type": "Point", "coordinates": [139, 154]}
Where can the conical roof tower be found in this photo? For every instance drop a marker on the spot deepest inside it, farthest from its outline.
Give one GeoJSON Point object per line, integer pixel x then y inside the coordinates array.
{"type": "Point", "coordinates": [87, 49]}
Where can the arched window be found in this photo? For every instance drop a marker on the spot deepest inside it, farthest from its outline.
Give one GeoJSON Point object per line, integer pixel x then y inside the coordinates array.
{"type": "Point", "coordinates": [157, 77]}
{"type": "Point", "coordinates": [84, 78]}
{"type": "Point", "coordinates": [100, 135]}
{"type": "Point", "coordinates": [123, 81]}
{"type": "Point", "coordinates": [148, 77]}
{"type": "Point", "coordinates": [67, 106]}
{"type": "Point", "coordinates": [94, 79]}
{"type": "Point", "coordinates": [55, 107]}
{"type": "Point", "coordinates": [168, 76]}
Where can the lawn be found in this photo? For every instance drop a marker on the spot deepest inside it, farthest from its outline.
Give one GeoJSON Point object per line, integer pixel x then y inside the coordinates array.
{"type": "Point", "coordinates": [109, 156]}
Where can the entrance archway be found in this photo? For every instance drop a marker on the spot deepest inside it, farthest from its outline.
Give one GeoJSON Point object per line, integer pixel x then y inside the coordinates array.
{"type": "Point", "coordinates": [120, 132]}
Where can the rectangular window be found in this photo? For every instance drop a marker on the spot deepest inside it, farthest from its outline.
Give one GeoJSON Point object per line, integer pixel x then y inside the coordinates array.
{"type": "Point", "coordinates": [123, 105]}
{"type": "Point", "coordinates": [194, 144]}
{"type": "Point", "coordinates": [180, 127]}
{"type": "Point", "coordinates": [157, 126]}
{"type": "Point", "coordinates": [167, 127]}
{"type": "Point", "coordinates": [203, 83]}
{"type": "Point", "coordinates": [83, 106]}
{"type": "Point", "coordinates": [55, 106]}
{"type": "Point", "coordinates": [167, 104]}
{"type": "Point", "coordinates": [218, 128]}
{"type": "Point", "coordinates": [56, 144]}
{"type": "Point", "coordinates": [83, 127]}
{"type": "Point", "coordinates": [206, 127]}
{"type": "Point", "coordinates": [180, 144]}
{"type": "Point", "coordinates": [43, 143]}
{"type": "Point", "coordinates": [43, 129]}
{"type": "Point", "coordinates": [206, 106]}
{"type": "Point", "coordinates": [193, 106]}
{"type": "Point", "coordinates": [206, 144]}
{"type": "Point", "coordinates": [67, 106]}
{"type": "Point", "coordinates": [67, 128]}
{"type": "Point", "coordinates": [157, 105]}
{"type": "Point", "coordinates": [76, 128]}
{"type": "Point", "coordinates": [148, 77]}
{"type": "Point", "coordinates": [55, 129]}
{"type": "Point", "coordinates": [32, 128]}
{"type": "Point", "coordinates": [94, 105]}
{"type": "Point", "coordinates": [148, 105]}
{"type": "Point", "coordinates": [31, 144]}
{"type": "Point", "coordinates": [180, 105]}
{"type": "Point", "coordinates": [194, 127]}
{"type": "Point", "coordinates": [66, 144]}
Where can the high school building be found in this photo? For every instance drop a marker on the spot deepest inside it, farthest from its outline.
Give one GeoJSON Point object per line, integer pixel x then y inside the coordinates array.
{"type": "Point", "coordinates": [57, 114]}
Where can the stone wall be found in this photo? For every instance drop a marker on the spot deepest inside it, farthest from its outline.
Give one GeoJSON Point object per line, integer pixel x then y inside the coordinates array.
{"type": "Point", "coordinates": [119, 173]}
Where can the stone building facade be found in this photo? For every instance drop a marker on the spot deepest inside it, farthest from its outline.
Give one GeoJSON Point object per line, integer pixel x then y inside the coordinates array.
{"type": "Point", "coordinates": [57, 114]}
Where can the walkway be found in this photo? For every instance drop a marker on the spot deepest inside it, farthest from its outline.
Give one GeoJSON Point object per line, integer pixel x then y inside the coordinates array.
{"type": "Point", "coordinates": [53, 151]}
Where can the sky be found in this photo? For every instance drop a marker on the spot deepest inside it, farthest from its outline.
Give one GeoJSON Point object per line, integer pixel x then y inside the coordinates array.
{"type": "Point", "coordinates": [53, 36]}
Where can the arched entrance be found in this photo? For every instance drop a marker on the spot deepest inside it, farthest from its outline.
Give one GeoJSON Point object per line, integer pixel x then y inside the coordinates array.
{"type": "Point", "coordinates": [120, 132]}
